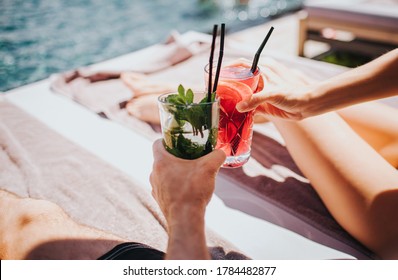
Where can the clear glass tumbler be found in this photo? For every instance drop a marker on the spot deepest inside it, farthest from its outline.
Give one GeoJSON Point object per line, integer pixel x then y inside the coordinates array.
{"type": "Point", "coordinates": [189, 123]}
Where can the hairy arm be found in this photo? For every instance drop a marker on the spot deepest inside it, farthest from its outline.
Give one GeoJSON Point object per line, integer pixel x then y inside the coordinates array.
{"type": "Point", "coordinates": [186, 230]}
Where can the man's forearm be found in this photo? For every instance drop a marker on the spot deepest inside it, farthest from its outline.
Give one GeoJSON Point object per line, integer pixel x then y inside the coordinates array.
{"type": "Point", "coordinates": [187, 238]}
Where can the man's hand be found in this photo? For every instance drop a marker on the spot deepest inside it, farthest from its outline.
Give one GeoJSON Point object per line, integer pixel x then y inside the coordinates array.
{"type": "Point", "coordinates": [182, 189]}
{"type": "Point", "coordinates": [178, 183]}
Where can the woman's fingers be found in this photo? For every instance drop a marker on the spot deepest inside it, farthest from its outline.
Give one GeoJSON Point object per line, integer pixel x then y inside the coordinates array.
{"type": "Point", "coordinates": [267, 95]}
{"type": "Point", "coordinates": [284, 74]}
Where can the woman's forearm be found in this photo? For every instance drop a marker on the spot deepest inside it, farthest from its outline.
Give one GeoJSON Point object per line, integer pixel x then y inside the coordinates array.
{"type": "Point", "coordinates": [375, 80]}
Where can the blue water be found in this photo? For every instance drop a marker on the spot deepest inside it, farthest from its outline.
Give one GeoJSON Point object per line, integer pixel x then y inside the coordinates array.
{"type": "Point", "coordinates": [41, 37]}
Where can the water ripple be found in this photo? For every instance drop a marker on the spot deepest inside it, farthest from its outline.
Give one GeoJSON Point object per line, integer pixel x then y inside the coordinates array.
{"type": "Point", "coordinates": [41, 37]}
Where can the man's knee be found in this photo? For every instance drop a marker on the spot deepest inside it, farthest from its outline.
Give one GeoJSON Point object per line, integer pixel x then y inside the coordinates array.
{"type": "Point", "coordinates": [26, 222]}
{"type": "Point", "coordinates": [32, 211]}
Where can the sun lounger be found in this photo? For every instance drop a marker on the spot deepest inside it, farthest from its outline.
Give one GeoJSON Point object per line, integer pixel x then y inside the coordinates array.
{"type": "Point", "coordinates": [372, 25]}
{"type": "Point", "coordinates": [267, 209]}
{"type": "Point", "coordinates": [40, 163]}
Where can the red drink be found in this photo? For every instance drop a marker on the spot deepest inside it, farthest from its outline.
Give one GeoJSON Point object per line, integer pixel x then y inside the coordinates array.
{"type": "Point", "coordinates": [235, 130]}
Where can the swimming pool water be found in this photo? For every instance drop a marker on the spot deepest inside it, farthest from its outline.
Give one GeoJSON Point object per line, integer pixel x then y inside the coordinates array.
{"type": "Point", "coordinates": [41, 37]}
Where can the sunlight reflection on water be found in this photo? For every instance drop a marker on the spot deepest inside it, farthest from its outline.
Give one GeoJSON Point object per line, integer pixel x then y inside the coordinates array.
{"type": "Point", "coordinates": [39, 37]}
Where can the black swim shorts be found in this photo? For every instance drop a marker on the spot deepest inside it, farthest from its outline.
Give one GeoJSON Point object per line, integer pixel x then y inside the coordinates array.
{"type": "Point", "coordinates": [133, 251]}
{"type": "Point", "coordinates": [139, 251]}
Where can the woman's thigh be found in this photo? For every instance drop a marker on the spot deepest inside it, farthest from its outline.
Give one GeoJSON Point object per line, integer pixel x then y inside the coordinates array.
{"type": "Point", "coordinates": [377, 124]}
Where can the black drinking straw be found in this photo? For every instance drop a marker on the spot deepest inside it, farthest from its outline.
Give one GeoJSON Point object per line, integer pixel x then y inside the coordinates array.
{"type": "Point", "coordinates": [213, 42]}
{"type": "Point", "coordinates": [260, 49]}
{"type": "Point", "coordinates": [220, 56]}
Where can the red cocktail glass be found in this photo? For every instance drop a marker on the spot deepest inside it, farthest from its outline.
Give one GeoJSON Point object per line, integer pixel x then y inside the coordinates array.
{"type": "Point", "coordinates": [236, 83]}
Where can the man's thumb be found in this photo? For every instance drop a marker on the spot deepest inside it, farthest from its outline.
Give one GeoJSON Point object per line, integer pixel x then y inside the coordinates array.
{"type": "Point", "coordinates": [215, 159]}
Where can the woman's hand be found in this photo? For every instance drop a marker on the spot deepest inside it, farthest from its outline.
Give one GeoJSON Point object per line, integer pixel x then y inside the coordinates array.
{"type": "Point", "coordinates": [291, 95]}
{"type": "Point", "coordinates": [286, 94]}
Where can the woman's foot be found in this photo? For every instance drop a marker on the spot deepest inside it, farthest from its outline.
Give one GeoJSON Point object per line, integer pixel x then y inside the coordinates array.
{"type": "Point", "coordinates": [145, 108]}
{"type": "Point", "coordinates": [141, 85]}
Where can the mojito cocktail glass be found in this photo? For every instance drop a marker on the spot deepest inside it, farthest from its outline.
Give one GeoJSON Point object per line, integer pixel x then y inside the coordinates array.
{"type": "Point", "coordinates": [189, 123]}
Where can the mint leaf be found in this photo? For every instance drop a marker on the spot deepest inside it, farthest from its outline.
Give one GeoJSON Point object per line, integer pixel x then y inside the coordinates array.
{"type": "Point", "coordinates": [212, 98]}
{"type": "Point", "coordinates": [181, 91]}
{"type": "Point", "coordinates": [189, 96]}
{"type": "Point", "coordinates": [182, 147]}
{"type": "Point", "coordinates": [175, 99]}
{"type": "Point", "coordinates": [185, 110]}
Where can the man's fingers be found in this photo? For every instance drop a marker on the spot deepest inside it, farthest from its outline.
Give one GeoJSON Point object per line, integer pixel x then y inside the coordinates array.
{"type": "Point", "coordinates": [214, 159]}
{"type": "Point", "coordinates": [159, 151]}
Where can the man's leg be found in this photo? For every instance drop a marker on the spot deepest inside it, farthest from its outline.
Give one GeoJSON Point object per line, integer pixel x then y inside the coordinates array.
{"type": "Point", "coordinates": [39, 229]}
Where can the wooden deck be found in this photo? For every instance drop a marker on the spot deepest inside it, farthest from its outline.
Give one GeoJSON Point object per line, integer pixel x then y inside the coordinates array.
{"type": "Point", "coordinates": [284, 38]}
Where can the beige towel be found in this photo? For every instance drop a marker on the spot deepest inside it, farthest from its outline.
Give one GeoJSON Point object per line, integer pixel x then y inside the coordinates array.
{"type": "Point", "coordinates": [100, 88]}
{"type": "Point", "coordinates": [37, 162]}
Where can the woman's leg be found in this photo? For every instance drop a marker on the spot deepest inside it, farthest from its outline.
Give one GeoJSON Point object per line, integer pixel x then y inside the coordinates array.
{"type": "Point", "coordinates": [142, 85]}
{"type": "Point", "coordinates": [357, 185]}
{"type": "Point", "coordinates": [377, 124]}
{"type": "Point", "coordinates": [38, 229]}
{"type": "Point", "coordinates": [349, 160]}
